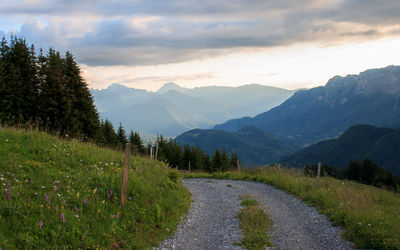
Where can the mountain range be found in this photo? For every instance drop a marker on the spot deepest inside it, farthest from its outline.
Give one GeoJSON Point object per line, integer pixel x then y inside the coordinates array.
{"type": "Point", "coordinates": [381, 145]}
{"type": "Point", "coordinates": [173, 110]}
{"type": "Point", "coordinates": [372, 97]}
{"type": "Point", "coordinates": [321, 113]}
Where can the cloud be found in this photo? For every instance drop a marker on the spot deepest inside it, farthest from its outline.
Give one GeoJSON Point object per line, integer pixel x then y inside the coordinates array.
{"type": "Point", "coordinates": [157, 32]}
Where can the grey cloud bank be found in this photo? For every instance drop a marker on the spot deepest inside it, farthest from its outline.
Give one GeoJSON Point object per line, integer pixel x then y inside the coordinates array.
{"type": "Point", "coordinates": [157, 32]}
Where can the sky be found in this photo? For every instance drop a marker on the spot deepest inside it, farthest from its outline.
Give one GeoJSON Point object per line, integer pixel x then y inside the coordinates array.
{"type": "Point", "coordinates": [143, 44]}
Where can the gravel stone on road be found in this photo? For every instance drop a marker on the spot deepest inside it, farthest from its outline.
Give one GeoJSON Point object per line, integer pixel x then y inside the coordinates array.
{"type": "Point", "coordinates": [212, 221]}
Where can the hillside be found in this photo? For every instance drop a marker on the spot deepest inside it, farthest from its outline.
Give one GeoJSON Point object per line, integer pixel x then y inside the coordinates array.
{"type": "Point", "coordinates": [381, 145]}
{"type": "Point", "coordinates": [65, 194]}
{"type": "Point", "coordinates": [173, 110]}
{"type": "Point", "coordinates": [372, 97]}
{"type": "Point", "coordinates": [253, 145]}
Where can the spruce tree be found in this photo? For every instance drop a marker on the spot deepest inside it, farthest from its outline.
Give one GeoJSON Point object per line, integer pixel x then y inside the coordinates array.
{"type": "Point", "coordinates": [121, 136]}
{"type": "Point", "coordinates": [216, 161]}
{"type": "Point", "coordinates": [19, 84]}
{"type": "Point", "coordinates": [55, 106]}
{"type": "Point", "coordinates": [4, 90]}
{"type": "Point", "coordinates": [136, 143]}
{"type": "Point", "coordinates": [83, 117]}
{"type": "Point", "coordinates": [110, 137]}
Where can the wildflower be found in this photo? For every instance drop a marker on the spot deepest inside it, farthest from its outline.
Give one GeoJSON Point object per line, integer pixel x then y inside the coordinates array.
{"type": "Point", "coordinates": [76, 215]}
{"type": "Point", "coordinates": [46, 197]}
{"type": "Point", "coordinates": [63, 218]}
{"type": "Point", "coordinates": [103, 202]}
{"type": "Point", "coordinates": [109, 193]}
{"type": "Point", "coordinates": [8, 183]}
{"type": "Point", "coordinates": [40, 224]}
{"type": "Point", "coordinates": [84, 201]}
{"type": "Point", "coordinates": [31, 181]}
{"type": "Point", "coordinates": [58, 185]}
{"type": "Point", "coordinates": [43, 187]}
{"type": "Point", "coordinates": [56, 207]}
{"type": "Point", "coordinates": [27, 200]}
{"type": "Point", "coordinates": [77, 195]}
{"type": "Point", "coordinates": [64, 203]}
{"type": "Point", "coordinates": [8, 194]}
{"type": "Point", "coordinates": [130, 198]}
{"type": "Point", "coordinates": [54, 189]}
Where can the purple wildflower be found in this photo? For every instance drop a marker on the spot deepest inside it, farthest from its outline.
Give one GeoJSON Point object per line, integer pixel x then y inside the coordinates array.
{"type": "Point", "coordinates": [63, 218]}
{"type": "Point", "coordinates": [31, 181]}
{"type": "Point", "coordinates": [8, 183]}
{"type": "Point", "coordinates": [65, 203]}
{"type": "Point", "coordinates": [8, 194]}
{"type": "Point", "coordinates": [40, 224]}
{"type": "Point", "coordinates": [109, 193]}
{"type": "Point", "coordinates": [130, 198]}
{"type": "Point", "coordinates": [55, 189]}
{"type": "Point", "coordinates": [56, 207]}
{"type": "Point", "coordinates": [27, 200]}
{"type": "Point", "coordinates": [46, 197]}
{"type": "Point", "coordinates": [84, 201]}
{"type": "Point", "coordinates": [58, 185]}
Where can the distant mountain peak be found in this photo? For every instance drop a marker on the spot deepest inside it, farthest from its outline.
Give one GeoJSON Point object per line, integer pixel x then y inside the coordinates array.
{"type": "Point", "coordinates": [117, 86]}
{"type": "Point", "coordinates": [170, 86]}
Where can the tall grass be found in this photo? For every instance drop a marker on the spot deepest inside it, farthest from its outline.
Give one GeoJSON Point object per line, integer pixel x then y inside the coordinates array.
{"type": "Point", "coordinates": [65, 194]}
{"type": "Point", "coordinates": [369, 216]}
{"type": "Point", "coordinates": [254, 223]}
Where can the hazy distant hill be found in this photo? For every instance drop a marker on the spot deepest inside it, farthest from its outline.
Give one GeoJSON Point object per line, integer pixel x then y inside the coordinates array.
{"type": "Point", "coordinates": [173, 110]}
{"type": "Point", "coordinates": [253, 145]}
{"type": "Point", "coordinates": [381, 145]}
{"type": "Point", "coordinates": [373, 97]}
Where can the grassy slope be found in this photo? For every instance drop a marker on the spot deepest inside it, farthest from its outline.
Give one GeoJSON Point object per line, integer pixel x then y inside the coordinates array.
{"type": "Point", "coordinates": [369, 216]}
{"type": "Point", "coordinates": [49, 179]}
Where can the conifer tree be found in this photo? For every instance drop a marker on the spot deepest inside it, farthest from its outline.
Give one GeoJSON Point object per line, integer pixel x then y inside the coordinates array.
{"type": "Point", "coordinates": [83, 117]}
{"type": "Point", "coordinates": [4, 90]}
{"type": "Point", "coordinates": [234, 161]}
{"type": "Point", "coordinates": [55, 106]}
{"type": "Point", "coordinates": [110, 137]}
{"type": "Point", "coordinates": [121, 136]}
{"type": "Point", "coordinates": [19, 84]}
{"type": "Point", "coordinates": [136, 143]}
{"type": "Point", "coordinates": [216, 161]}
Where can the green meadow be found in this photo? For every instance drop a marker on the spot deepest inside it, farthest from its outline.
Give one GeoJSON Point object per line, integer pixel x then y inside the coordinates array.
{"type": "Point", "coordinates": [66, 194]}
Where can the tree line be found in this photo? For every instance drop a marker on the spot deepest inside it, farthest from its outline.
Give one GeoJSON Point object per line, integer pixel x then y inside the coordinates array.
{"type": "Point", "coordinates": [169, 151]}
{"type": "Point", "coordinates": [366, 172]}
{"type": "Point", "coordinates": [46, 90]}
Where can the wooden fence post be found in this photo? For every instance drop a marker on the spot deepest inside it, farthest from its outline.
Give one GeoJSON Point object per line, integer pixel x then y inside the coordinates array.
{"type": "Point", "coordinates": [155, 157]}
{"type": "Point", "coordinates": [189, 166]}
{"type": "Point", "coordinates": [126, 173]}
{"type": "Point", "coordinates": [319, 170]}
{"type": "Point", "coordinates": [238, 165]}
{"type": "Point", "coordinates": [151, 150]}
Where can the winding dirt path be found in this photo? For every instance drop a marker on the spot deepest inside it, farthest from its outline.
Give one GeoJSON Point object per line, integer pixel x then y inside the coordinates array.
{"type": "Point", "coordinates": [212, 221]}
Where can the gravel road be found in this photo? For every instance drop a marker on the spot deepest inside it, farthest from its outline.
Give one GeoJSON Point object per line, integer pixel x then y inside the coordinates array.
{"type": "Point", "coordinates": [212, 223]}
